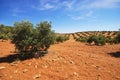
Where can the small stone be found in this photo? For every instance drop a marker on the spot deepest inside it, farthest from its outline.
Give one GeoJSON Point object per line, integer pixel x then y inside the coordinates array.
{"type": "Point", "coordinates": [75, 73]}
{"type": "Point", "coordinates": [33, 59]}
{"type": "Point", "coordinates": [71, 62]}
{"type": "Point", "coordinates": [97, 67]}
{"type": "Point", "coordinates": [111, 64]}
{"type": "Point", "coordinates": [25, 70]}
{"type": "Point", "coordinates": [79, 54]}
{"type": "Point", "coordinates": [29, 64]}
{"type": "Point", "coordinates": [98, 77]}
{"type": "Point", "coordinates": [45, 66]}
{"type": "Point", "coordinates": [2, 67]}
{"type": "Point", "coordinates": [36, 66]}
{"type": "Point", "coordinates": [16, 61]}
{"type": "Point", "coordinates": [64, 61]}
{"type": "Point", "coordinates": [13, 64]}
{"type": "Point", "coordinates": [37, 76]}
{"type": "Point", "coordinates": [16, 71]}
{"type": "Point", "coordinates": [117, 77]}
{"type": "Point", "coordinates": [85, 62]}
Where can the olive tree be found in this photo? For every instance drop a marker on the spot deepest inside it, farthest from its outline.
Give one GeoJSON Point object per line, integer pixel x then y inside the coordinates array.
{"type": "Point", "coordinates": [23, 35]}
{"type": "Point", "coordinates": [98, 40]}
{"type": "Point", "coordinates": [32, 39]}
{"type": "Point", "coordinates": [44, 36]}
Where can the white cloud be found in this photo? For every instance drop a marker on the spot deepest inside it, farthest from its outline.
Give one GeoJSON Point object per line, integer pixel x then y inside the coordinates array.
{"type": "Point", "coordinates": [101, 4]}
{"type": "Point", "coordinates": [83, 16]}
{"type": "Point", "coordinates": [69, 4]}
{"type": "Point", "coordinates": [76, 17]}
{"type": "Point", "coordinates": [54, 4]}
{"type": "Point", "coordinates": [47, 6]}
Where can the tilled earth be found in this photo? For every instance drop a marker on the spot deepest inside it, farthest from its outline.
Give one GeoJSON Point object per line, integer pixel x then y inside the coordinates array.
{"type": "Point", "coordinates": [65, 61]}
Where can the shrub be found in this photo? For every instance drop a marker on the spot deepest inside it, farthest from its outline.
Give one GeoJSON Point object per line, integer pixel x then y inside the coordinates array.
{"type": "Point", "coordinates": [6, 32]}
{"type": "Point", "coordinates": [91, 38]}
{"type": "Point", "coordinates": [4, 37]}
{"type": "Point", "coordinates": [66, 38]}
{"type": "Point", "coordinates": [62, 38]}
{"type": "Point", "coordinates": [29, 39]}
{"type": "Point", "coordinates": [45, 36]}
{"type": "Point", "coordinates": [23, 35]}
{"type": "Point", "coordinates": [101, 39]}
{"type": "Point", "coordinates": [110, 40]}
{"type": "Point", "coordinates": [117, 38]}
{"type": "Point", "coordinates": [98, 40]}
{"type": "Point", "coordinates": [59, 39]}
{"type": "Point", "coordinates": [81, 39]}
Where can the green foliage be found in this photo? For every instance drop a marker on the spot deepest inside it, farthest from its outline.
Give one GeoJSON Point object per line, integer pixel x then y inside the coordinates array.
{"type": "Point", "coordinates": [101, 39]}
{"type": "Point", "coordinates": [6, 32]}
{"type": "Point", "coordinates": [59, 39]}
{"type": "Point", "coordinates": [62, 38]}
{"type": "Point", "coordinates": [44, 37]}
{"type": "Point", "coordinates": [98, 40]}
{"type": "Point", "coordinates": [110, 40]}
{"type": "Point", "coordinates": [82, 39]}
{"type": "Point", "coordinates": [27, 38]}
{"type": "Point", "coordinates": [66, 38]}
{"type": "Point", "coordinates": [91, 38]}
{"type": "Point", "coordinates": [117, 38]}
{"type": "Point", "coordinates": [23, 35]}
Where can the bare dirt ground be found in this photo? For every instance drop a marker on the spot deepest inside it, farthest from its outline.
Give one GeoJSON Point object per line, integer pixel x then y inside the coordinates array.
{"type": "Point", "coordinates": [65, 61]}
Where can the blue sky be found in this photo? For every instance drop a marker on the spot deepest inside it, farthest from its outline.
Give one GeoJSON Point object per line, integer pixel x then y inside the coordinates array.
{"type": "Point", "coordinates": [66, 15]}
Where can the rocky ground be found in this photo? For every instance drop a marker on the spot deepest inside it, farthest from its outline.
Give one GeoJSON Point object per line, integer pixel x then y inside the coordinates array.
{"type": "Point", "coordinates": [65, 61]}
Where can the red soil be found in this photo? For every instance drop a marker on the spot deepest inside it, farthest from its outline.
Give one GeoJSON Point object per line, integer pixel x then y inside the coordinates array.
{"type": "Point", "coordinates": [65, 61]}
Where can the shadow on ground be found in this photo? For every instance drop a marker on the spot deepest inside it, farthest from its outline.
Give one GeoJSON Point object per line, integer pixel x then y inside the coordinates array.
{"type": "Point", "coordinates": [115, 54]}
{"type": "Point", "coordinates": [21, 57]}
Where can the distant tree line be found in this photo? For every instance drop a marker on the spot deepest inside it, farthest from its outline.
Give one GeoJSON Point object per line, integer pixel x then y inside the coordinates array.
{"type": "Point", "coordinates": [6, 32]}
{"type": "Point", "coordinates": [100, 39]}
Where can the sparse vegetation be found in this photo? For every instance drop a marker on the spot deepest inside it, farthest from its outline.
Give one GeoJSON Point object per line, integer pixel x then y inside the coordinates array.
{"type": "Point", "coordinates": [62, 38]}
{"type": "Point", "coordinates": [82, 39]}
{"type": "Point", "coordinates": [99, 39]}
{"type": "Point", "coordinates": [6, 32]}
{"type": "Point", "coordinates": [117, 38]}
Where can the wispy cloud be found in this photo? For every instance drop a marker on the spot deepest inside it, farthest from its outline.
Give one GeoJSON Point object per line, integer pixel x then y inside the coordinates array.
{"type": "Point", "coordinates": [89, 6]}
{"type": "Point", "coordinates": [101, 4]}
{"type": "Point", "coordinates": [83, 16]}
{"type": "Point", "coordinates": [76, 17]}
{"type": "Point", "coordinates": [46, 6]}
{"type": "Point", "coordinates": [16, 11]}
{"type": "Point", "coordinates": [69, 4]}
{"type": "Point", "coordinates": [71, 7]}
{"type": "Point", "coordinates": [54, 4]}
